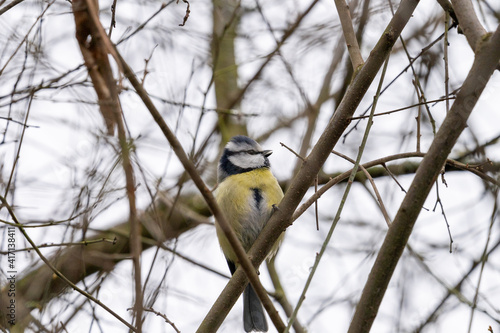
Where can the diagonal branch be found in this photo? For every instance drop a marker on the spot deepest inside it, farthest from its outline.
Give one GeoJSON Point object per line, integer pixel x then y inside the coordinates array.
{"type": "Point", "coordinates": [95, 55]}
{"type": "Point", "coordinates": [396, 239]}
{"type": "Point", "coordinates": [349, 35]}
{"type": "Point", "coordinates": [468, 21]}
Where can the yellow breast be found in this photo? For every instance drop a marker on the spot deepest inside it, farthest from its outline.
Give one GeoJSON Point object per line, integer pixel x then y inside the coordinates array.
{"type": "Point", "coordinates": [247, 201]}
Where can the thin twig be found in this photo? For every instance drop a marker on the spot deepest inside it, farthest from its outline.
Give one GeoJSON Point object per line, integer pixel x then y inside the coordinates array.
{"type": "Point", "coordinates": [412, 60]}
{"type": "Point", "coordinates": [454, 290]}
{"type": "Point", "coordinates": [322, 190]}
{"type": "Point", "coordinates": [445, 58]}
{"type": "Point", "coordinates": [18, 122]}
{"type": "Point", "coordinates": [293, 152]}
{"type": "Point", "coordinates": [316, 213]}
{"type": "Point", "coordinates": [406, 107]}
{"type": "Point", "coordinates": [372, 182]}
{"type": "Point", "coordinates": [418, 119]}
{"type": "Point", "coordinates": [287, 34]}
{"type": "Point", "coordinates": [112, 24]}
{"type": "Point", "coordinates": [311, 114]}
{"type": "Point", "coordinates": [20, 144]}
{"type": "Point", "coordinates": [155, 242]}
{"type": "Point", "coordinates": [280, 295]}
{"type": "Point", "coordinates": [168, 321]}
{"type": "Point", "coordinates": [146, 72]}
{"type": "Point", "coordinates": [438, 201]}
{"type": "Point", "coordinates": [188, 11]}
{"type": "Point", "coordinates": [143, 25]}
{"type": "Point", "coordinates": [286, 63]}
{"type": "Point", "coordinates": [45, 245]}
{"type": "Point", "coordinates": [484, 258]}
{"type": "Point", "coordinates": [393, 176]}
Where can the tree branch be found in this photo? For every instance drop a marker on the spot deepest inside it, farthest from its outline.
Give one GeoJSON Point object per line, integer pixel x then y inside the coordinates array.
{"type": "Point", "coordinates": [396, 239]}
{"type": "Point", "coordinates": [468, 21]}
{"type": "Point", "coordinates": [349, 35]}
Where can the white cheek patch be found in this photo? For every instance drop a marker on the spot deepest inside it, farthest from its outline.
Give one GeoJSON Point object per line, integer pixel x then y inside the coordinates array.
{"type": "Point", "coordinates": [247, 161]}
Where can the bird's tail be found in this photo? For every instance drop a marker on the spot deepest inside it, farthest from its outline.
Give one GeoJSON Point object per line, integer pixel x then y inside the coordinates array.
{"type": "Point", "coordinates": [253, 313]}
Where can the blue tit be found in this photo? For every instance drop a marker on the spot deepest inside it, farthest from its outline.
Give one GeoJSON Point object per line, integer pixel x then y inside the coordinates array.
{"type": "Point", "coordinates": [247, 194]}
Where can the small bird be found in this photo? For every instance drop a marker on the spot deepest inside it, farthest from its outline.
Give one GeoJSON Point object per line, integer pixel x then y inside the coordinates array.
{"type": "Point", "coordinates": [247, 193]}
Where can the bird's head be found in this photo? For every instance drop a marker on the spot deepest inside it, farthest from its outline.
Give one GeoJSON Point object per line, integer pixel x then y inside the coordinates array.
{"type": "Point", "coordinates": [242, 154]}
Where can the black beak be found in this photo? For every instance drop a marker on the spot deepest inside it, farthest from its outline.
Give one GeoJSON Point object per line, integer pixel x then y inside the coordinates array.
{"type": "Point", "coordinates": [266, 153]}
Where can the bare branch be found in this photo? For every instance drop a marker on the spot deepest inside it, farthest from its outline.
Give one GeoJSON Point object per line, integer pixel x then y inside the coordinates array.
{"type": "Point", "coordinates": [10, 6]}
{"type": "Point", "coordinates": [468, 21]}
{"type": "Point", "coordinates": [397, 237]}
{"type": "Point", "coordinates": [349, 35]}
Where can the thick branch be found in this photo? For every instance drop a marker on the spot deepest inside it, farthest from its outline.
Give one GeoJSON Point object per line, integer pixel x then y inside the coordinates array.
{"type": "Point", "coordinates": [396, 239]}
{"type": "Point", "coordinates": [95, 55]}
{"type": "Point", "coordinates": [349, 35]}
{"type": "Point", "coordinates": [468, 21]}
